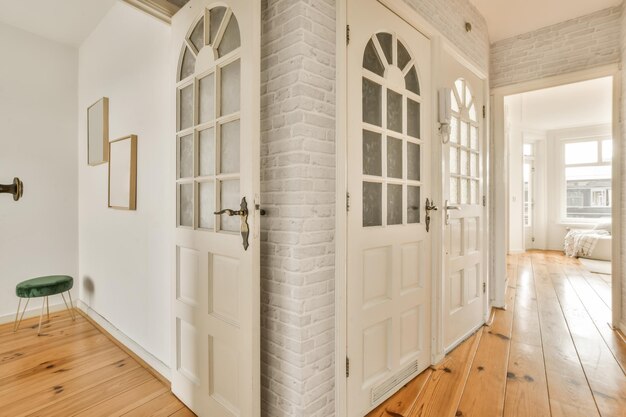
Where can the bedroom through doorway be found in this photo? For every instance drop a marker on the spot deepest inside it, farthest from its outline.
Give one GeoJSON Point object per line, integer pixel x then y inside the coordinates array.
{"type": "Point", "coordinates": [559, 156]}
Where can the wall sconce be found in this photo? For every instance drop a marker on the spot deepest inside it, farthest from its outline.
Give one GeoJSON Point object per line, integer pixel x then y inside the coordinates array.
{"type": "Point", "coordinates": [445, 113]}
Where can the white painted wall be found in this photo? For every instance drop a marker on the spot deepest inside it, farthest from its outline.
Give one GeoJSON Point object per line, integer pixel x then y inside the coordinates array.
{"type": "Point", "coordinates": [514, 138]}
{"type": "Point", "coordinates": [124, 260]}
{"type": "Point", "coordinates": [38, 234]}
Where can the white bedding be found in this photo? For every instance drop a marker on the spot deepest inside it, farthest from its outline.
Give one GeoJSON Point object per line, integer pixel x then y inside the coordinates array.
{"type": "Point", "coordinates": [584, 243]}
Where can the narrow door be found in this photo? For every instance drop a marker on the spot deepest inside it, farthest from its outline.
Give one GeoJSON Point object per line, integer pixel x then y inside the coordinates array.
{"type": "Point", "coordinates": [215, 307]}
{"type": "Point", "coordinates": [389, 142]}
{"type": "Point", "coordinates": [529, 195]}
{"type": "Point", "coordinates": [464, 270]}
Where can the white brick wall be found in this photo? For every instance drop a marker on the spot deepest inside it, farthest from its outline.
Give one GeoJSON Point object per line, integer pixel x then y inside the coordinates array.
{"type": "Point", "coordinates": [586, 42]}
{"type": "Point", "coordinates": [449, 17]}
{"type": "Point", "coordinates": [298, 193]}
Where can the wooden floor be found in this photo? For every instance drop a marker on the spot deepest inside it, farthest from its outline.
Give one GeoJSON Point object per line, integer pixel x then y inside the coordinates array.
{"type": "Point", "coordinates": [550, 353]}
{"type": "Point", "coordinates": [73, 369]}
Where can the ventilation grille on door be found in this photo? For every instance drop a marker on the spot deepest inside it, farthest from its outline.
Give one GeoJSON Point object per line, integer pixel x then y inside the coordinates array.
{"type": "Point", "coordinates": [401, 377]}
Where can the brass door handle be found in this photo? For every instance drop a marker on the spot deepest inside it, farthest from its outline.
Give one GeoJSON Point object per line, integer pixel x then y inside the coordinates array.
{"type": "Point", "coordinates": [429, 207]}
{"type": "Point", "coordinates": [243, 213]}
{"type": "Point", "coordinates": [17, 188]}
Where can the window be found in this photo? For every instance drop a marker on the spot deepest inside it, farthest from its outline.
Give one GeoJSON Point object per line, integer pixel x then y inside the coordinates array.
{"type": "Point", "coordinates": [587, 178]}
{"type": "Point", "coordinates": [528, 191]}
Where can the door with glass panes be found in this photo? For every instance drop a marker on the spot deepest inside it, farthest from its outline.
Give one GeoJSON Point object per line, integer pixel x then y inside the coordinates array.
{"type": "Point", "coordinates": [464, 261]}
{"type": "Point", "coordinates": [215, 286]}
{"type": "Point", "coordinates": [389, 143]}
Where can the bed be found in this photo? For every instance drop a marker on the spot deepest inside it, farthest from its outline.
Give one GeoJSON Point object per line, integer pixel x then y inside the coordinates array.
{"type": "Point", "coordinates": [593, 243]}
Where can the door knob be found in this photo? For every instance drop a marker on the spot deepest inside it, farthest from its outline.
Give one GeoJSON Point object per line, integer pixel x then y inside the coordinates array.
{"type": "Point", "coordinates": [17, 188]}
{"type": "Point", "coordinates": [243, 213]}
{"type": "Point", "coordinates": [430, 206]}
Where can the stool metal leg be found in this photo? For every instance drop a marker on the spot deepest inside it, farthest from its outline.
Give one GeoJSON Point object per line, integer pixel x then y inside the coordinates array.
{"type": "Point", "coordinates": [17, 313]}
{"type": "Point", "coordinates": [69, 310]}
{"type": "Point", "coordinates": [17, 325]}
{"type": "Point", "coordinates": [71, 305]}
{"type": "Point", "coordinates": [43, 304]}
{"type": "Point", "coordinates": [48, 307]}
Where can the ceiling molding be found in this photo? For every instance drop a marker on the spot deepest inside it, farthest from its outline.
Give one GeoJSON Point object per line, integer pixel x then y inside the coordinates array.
{"type": "Point", "coordinates": [161, 9]}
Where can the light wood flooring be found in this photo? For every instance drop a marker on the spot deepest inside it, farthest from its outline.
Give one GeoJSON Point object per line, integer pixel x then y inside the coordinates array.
{"type": "Point", "coordinates": [550, 353]}
{"type": "Point", "coordinates": [73, 369]}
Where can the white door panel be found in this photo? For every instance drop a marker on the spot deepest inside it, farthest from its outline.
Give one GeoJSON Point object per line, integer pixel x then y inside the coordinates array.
{"type": "Point", "coordinates": [389, 143]}
{"type": "Point", "coordinates": [463, 269]}
{"type": "Point", "coordinates": [215, 306]}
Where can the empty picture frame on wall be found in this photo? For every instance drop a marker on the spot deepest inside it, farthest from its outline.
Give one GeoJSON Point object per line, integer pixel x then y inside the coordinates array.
{"type": "Point", "coordinates": [98, 132]}
{"type": "Point", "coordinates": [123, 173]}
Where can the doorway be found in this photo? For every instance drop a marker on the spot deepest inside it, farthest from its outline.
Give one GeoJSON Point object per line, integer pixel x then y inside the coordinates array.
{"type": "Point", "coordinates": [559, 141]}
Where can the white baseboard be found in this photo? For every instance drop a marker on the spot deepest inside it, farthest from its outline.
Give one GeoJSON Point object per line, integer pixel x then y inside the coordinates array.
{"type": "Point", "coordinates": [138, 350]}
{"type": "Point", "coordinates": [31, 312]}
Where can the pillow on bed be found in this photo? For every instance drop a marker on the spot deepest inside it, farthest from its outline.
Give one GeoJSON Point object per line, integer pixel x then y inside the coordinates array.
{"type": "Point", "coordinates": [606, 226]}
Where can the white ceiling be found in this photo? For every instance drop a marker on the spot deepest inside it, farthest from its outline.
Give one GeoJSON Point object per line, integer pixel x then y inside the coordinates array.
{"type": "Point", "coordinates": [65, 21]}
{"type": "Point", "coordinates": [508, 18]}
{"type": "Point", "coordinates": [586, 103]}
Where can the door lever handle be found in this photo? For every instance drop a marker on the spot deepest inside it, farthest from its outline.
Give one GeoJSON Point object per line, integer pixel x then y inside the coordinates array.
{"type": "Point", "coordinates": [243, 213]}
{"type": "Point", "coordinates": [430, 206]}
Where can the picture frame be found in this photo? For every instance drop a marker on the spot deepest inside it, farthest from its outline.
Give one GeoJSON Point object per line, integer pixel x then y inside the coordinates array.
{"type": "Point", "coordinates": [98, 132]}
{"type": "Point", "coordinates": [123, 173]}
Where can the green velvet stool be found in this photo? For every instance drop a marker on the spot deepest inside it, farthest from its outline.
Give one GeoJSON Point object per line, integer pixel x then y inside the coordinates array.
{"type": "Point", "coordinates": [43, 287]}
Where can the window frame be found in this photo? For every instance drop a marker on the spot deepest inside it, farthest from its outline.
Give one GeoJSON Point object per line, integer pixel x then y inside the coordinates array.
{"type": "Point", "coordinates": [562, 183]}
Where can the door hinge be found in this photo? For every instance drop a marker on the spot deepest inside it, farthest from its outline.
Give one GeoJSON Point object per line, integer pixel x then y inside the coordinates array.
{"type": "Point", "coordinates": [347, 367]}
{"type": "Point", "coordinates": [484, 201]}
{"type": "Point", "coordinates": [484, 112]}
{"type": "Point", "coordinates": [347, 34]}
{"type": "Point", "coordinates": [484, 287]}
{"type": "Point", "coordinates": [347, 201]}
{"type": "Point", "coordinates": [532, 240]}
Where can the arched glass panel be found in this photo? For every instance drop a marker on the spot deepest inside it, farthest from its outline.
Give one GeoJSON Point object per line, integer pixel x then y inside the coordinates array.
{"type": "Point", "coordinates": [208, 139]}
{"type": "Point", "coordinates": [464, 158]}
{"type": "Point", "coordinates": [391, 141]}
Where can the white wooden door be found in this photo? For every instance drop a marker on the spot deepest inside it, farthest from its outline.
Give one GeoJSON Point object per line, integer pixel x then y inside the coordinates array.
{"type": "Point", "coordinates": [389, 143]}
{"type": "Point", "coordinates": [215, 306]}
{"type": "Point", "coordinates": [464, 269]}
{"type": "Point", "coordinates": [528, 189]}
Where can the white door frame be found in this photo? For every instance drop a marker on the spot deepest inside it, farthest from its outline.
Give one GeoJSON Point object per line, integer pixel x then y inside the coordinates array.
{"type": "Point", "coordinates": [499, 185]}
{"type": "Point", "coordinates": [438, 41]}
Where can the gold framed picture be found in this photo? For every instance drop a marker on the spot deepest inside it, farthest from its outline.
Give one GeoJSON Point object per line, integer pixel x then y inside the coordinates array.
{"type": "Point", "coordinates": [123, 173]}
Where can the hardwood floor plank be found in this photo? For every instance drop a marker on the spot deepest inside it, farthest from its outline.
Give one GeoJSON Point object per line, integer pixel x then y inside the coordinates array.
{"type": "Point", "coordinates": [569, 392]}
{"type": "Point", "coordinates": [55, 373]}
{"type": "Point", "coordinates": [78, 399]}
{"type": "Point", "coordinates": [485, 386]}
{"type": "Point", "coordinates": [440, 397]}
{"type": "Point", "coordinates": [604, 375]}
{"type": "Point", "coordinates": [73, 367]}
{"type": "Point", "coordinates": [127, 400]}
{"type": "Point", "coordinates": [78, 347]}
{"type": "Point", "coordinates": [526, 387]}
{"type": "Point", "coordinates": [601, 315]}
{"type": "Point", "coordinates": [162, 406]}
{"type": "Point", "coordinates": [185, 412]}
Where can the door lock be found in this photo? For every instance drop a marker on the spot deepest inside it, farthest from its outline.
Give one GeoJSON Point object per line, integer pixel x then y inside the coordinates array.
{"type": "Point", "coordinates": [243, 214]}
{"type": "Point", "coordinates": [429, 207]}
